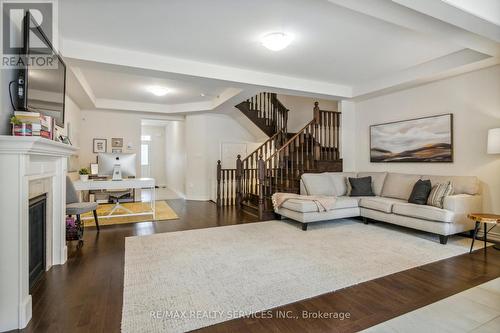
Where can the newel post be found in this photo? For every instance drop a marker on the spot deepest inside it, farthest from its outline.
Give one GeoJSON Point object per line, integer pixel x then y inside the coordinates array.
{"type": "Point", "coordinates": [317, 123]}
{"type": "Point", "coordinates": [219, 174]}
{"type": "Point", "coordinates": [316, 116]}
{"type": "Point", "coordinates": [239, 174]}
{"type": "Point", "coordinates": [261, 175]}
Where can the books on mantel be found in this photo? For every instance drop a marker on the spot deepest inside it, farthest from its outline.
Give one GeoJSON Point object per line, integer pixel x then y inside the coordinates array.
{"type": "Point", "coordinates": [33, 124]}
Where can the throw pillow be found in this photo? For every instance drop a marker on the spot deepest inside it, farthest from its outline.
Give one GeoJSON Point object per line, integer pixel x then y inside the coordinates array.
{"type": "Point", "coordinates": [420, 192]}
{"type": "Point", "coordinates": [361, 186]}
{"type": "Point", "coordinates": [438, 193]}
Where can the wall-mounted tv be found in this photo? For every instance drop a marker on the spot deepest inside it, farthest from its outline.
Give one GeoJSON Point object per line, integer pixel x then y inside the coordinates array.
{"type": "Point", "coordinates": [42, 84]}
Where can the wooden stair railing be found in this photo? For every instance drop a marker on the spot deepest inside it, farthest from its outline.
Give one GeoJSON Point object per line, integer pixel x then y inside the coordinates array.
{"type": "Point", "coordinates": [271, 116]}
{"type": "Point", "coordinates": [226, 186]}
{"type": "Point", "coordinates": [277, 167]}
{"type": "Point", "coordinates": [315, 148]}
{"type": "Point", "coordinates": [228, 191]}
{"type": "Point", "coordinates": [266, 111]}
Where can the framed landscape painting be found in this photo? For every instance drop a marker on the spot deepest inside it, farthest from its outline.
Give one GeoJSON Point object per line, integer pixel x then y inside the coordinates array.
{"type": "Point", "coordinates": [428, 139]}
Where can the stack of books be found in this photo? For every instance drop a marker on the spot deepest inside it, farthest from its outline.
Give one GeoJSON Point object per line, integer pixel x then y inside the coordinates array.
{"type": "Point", "coordinates": [46, 127]}
{"type": "Point", "coordinates": [33, 124]}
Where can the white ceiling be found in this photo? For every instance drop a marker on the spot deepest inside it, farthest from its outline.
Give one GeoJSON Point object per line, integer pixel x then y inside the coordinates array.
{"type": "Point", "coordinates": [341, 49]}
{"type": "Point", "coordinates": [331, 43]}
{"type": "Point", "coordinates": [121, 83]}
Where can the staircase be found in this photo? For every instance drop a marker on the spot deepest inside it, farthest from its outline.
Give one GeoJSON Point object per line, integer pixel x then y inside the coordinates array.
{"type": "Point", "coordinates": [265, 111]}
{"type": "Point", "coordinates": [277, 165]}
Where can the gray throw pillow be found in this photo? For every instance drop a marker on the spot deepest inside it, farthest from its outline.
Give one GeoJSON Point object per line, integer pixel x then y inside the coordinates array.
{"type": "Point", "coordinates": [420, 192]}
{"type": "Point", "coordinates": [361, 187]}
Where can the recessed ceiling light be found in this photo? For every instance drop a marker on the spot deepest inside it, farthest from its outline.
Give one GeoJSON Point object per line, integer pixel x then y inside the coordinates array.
{"type": "Point", "coordinates": [202, 95]}
{"type": "Point", "coordinates": [158, 90]}
{"type": "Point", "coordinates": [276, 41]}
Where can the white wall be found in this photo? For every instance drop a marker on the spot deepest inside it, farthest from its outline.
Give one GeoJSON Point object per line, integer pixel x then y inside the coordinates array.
{"type": "Point", "coordinates": [72, 125]}
{"type": "Point", "coordinates": [157, 153]}
{"type": "Point", "coordinates": [474, 100]}
{"type": "Point", "coordinates": [301, 110]}
{"type": "Point", "coordinates": [175, 156]}
{"type": "Point", "coordinates": [6, 110]}
{"type": "Point", "coordinates": [106, 125]}
{"type": "Point", "coordinates": [348, 139]}
{"type": "Point", "coordinates": [204, 135]}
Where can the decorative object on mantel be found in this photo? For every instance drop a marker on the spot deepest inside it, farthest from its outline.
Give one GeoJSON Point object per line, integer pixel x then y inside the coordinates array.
{"type": "Point", "coordinates": [100, 145]}
{"type": "Point", "coordinates": [84, 174]}
{"type": "Point", "coordinates": [116, 150]}
{"type": "Point", "coordinates": [116, 142]}
{"type": "Point", "coordinates": [64, 139]}
{"type": "Point", "coordinates": [427, 139]}
{"type": "Point", "coordinates": [19, 128]}
{"type": "Point", "coordinates": [26, 123]}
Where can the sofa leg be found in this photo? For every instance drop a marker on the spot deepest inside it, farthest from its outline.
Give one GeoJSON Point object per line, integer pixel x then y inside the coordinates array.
{"type": "Point", "coordinates": [365, 220]}
{"type": "Point", "coordinates": [304, 226]}
{"type": "Point", "coordinates": [443, 239]}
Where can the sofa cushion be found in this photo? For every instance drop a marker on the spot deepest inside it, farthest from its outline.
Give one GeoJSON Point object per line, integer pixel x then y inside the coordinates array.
{"type": "Point", "coordinates": [379, 203]}
{"type": "Point", "coordinates": [340, 181]}
{"type": "Point", "coordinates": [307, 206]}
{"type": "Point", "coordinates": [378, 179]}
{"type": "Point", "coordinates": [318, 184]}
{"type": "Point", "coordinates": [361, 186]}
{"type": "Point", "coordinates": [461, 184]}
{"type": "Point", "coordinates": [423, 212]}
{"type": "Point", "coordinates": [399, 185]}
{"type": "Point", "coordinates": [420, 192]}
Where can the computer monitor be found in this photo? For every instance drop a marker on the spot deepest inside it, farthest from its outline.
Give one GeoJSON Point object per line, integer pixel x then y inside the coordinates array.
{"type": "Point", "coordinates": [116, 165]}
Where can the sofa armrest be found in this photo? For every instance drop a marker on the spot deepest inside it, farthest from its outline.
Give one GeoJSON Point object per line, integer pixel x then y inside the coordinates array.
{"type": "Point", "coordinates": [303, 190]}
{"type": "Point", "coordinates": [463, 203]}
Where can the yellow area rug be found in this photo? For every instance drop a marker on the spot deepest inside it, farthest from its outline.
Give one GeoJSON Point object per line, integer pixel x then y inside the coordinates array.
{"type": "Point", "coordinates": [163, 212]}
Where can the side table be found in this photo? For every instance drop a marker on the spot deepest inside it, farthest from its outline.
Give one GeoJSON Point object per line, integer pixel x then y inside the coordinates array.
{"type": "Point", "coordinates": [485, 219]}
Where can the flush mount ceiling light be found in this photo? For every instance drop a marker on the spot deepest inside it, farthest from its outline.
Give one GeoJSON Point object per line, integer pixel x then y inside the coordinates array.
{"type": "Point", "coordinates": [158, 90]}
{"type": "Point", "coordinates": [276, 41]}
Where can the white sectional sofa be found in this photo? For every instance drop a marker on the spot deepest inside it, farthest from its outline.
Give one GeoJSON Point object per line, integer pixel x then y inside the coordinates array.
{"type": "Point", "coordinates": [390, 203]}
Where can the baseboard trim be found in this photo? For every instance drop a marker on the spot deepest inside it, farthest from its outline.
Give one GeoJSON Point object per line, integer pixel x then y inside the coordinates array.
{"type": "Point", "coordinates": [494, 236]}
{"type": "Point", "coordinates": [197, 198]}
{"type": "Point", "coordinates": [178, 193]}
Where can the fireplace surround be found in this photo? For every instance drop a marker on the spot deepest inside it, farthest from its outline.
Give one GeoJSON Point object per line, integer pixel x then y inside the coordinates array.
{"type": "Point", "coordinates": [37, 238]}
{"type": "Point", "coordinates": [29, 167]}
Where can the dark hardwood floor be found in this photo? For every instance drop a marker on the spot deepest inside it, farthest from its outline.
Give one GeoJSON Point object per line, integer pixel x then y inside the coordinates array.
{"type": "Point", "coordinates": [85, 295]}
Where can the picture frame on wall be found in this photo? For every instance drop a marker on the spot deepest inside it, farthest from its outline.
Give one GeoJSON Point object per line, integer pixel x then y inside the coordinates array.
{"type": "Point", "coordinates": [117, 143]}
{"type": "Point", "coordinates": [426, 139]}
{"type": "Point", "coordinates": [100, 145]}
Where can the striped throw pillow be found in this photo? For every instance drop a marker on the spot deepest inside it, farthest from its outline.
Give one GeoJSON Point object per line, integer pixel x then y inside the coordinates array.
{"type": "Point", "coordinates": [438, 193]}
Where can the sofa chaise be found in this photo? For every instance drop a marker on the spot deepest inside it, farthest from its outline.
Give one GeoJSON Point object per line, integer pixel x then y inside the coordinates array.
{"type": "Point", "coordinates": [390, 203]}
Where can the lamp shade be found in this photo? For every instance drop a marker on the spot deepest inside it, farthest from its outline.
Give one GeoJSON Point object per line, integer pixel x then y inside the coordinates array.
{"type": "Point", "coordinates": [494, 141]}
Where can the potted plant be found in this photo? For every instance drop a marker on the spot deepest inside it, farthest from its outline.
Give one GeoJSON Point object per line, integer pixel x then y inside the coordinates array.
{"type": "Point", "coordinates": [19, 128]}
{"type": "Point", "coordinates": [84, 174]}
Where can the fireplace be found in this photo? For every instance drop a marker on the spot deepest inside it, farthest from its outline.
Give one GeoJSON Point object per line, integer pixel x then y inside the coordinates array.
{"type": "Point", "coordinates": [37, 238]}
{"type": "Point", "coordinates": [31, 240]}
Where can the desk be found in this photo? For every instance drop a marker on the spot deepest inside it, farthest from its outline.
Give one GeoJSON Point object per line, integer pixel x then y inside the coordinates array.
{"type": "Point", "coordinates": [134, 183]}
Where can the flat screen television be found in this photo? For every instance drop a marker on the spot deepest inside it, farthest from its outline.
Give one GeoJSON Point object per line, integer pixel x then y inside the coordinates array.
{"type": "Point", "coordinates": [42, 87]}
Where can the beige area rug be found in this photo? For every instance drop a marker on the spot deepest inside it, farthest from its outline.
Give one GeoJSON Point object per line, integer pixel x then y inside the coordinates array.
{"type": "Point", "coordinates": [226, 272]}
{"type": "Point", "coordinates": [163, 212]}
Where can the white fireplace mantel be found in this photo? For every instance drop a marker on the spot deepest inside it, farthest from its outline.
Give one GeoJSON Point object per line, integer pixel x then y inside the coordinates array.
{"type": "Point", "coordinates": [34, 145]}
{"type": "Point", "coordinates": [24, 163]}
